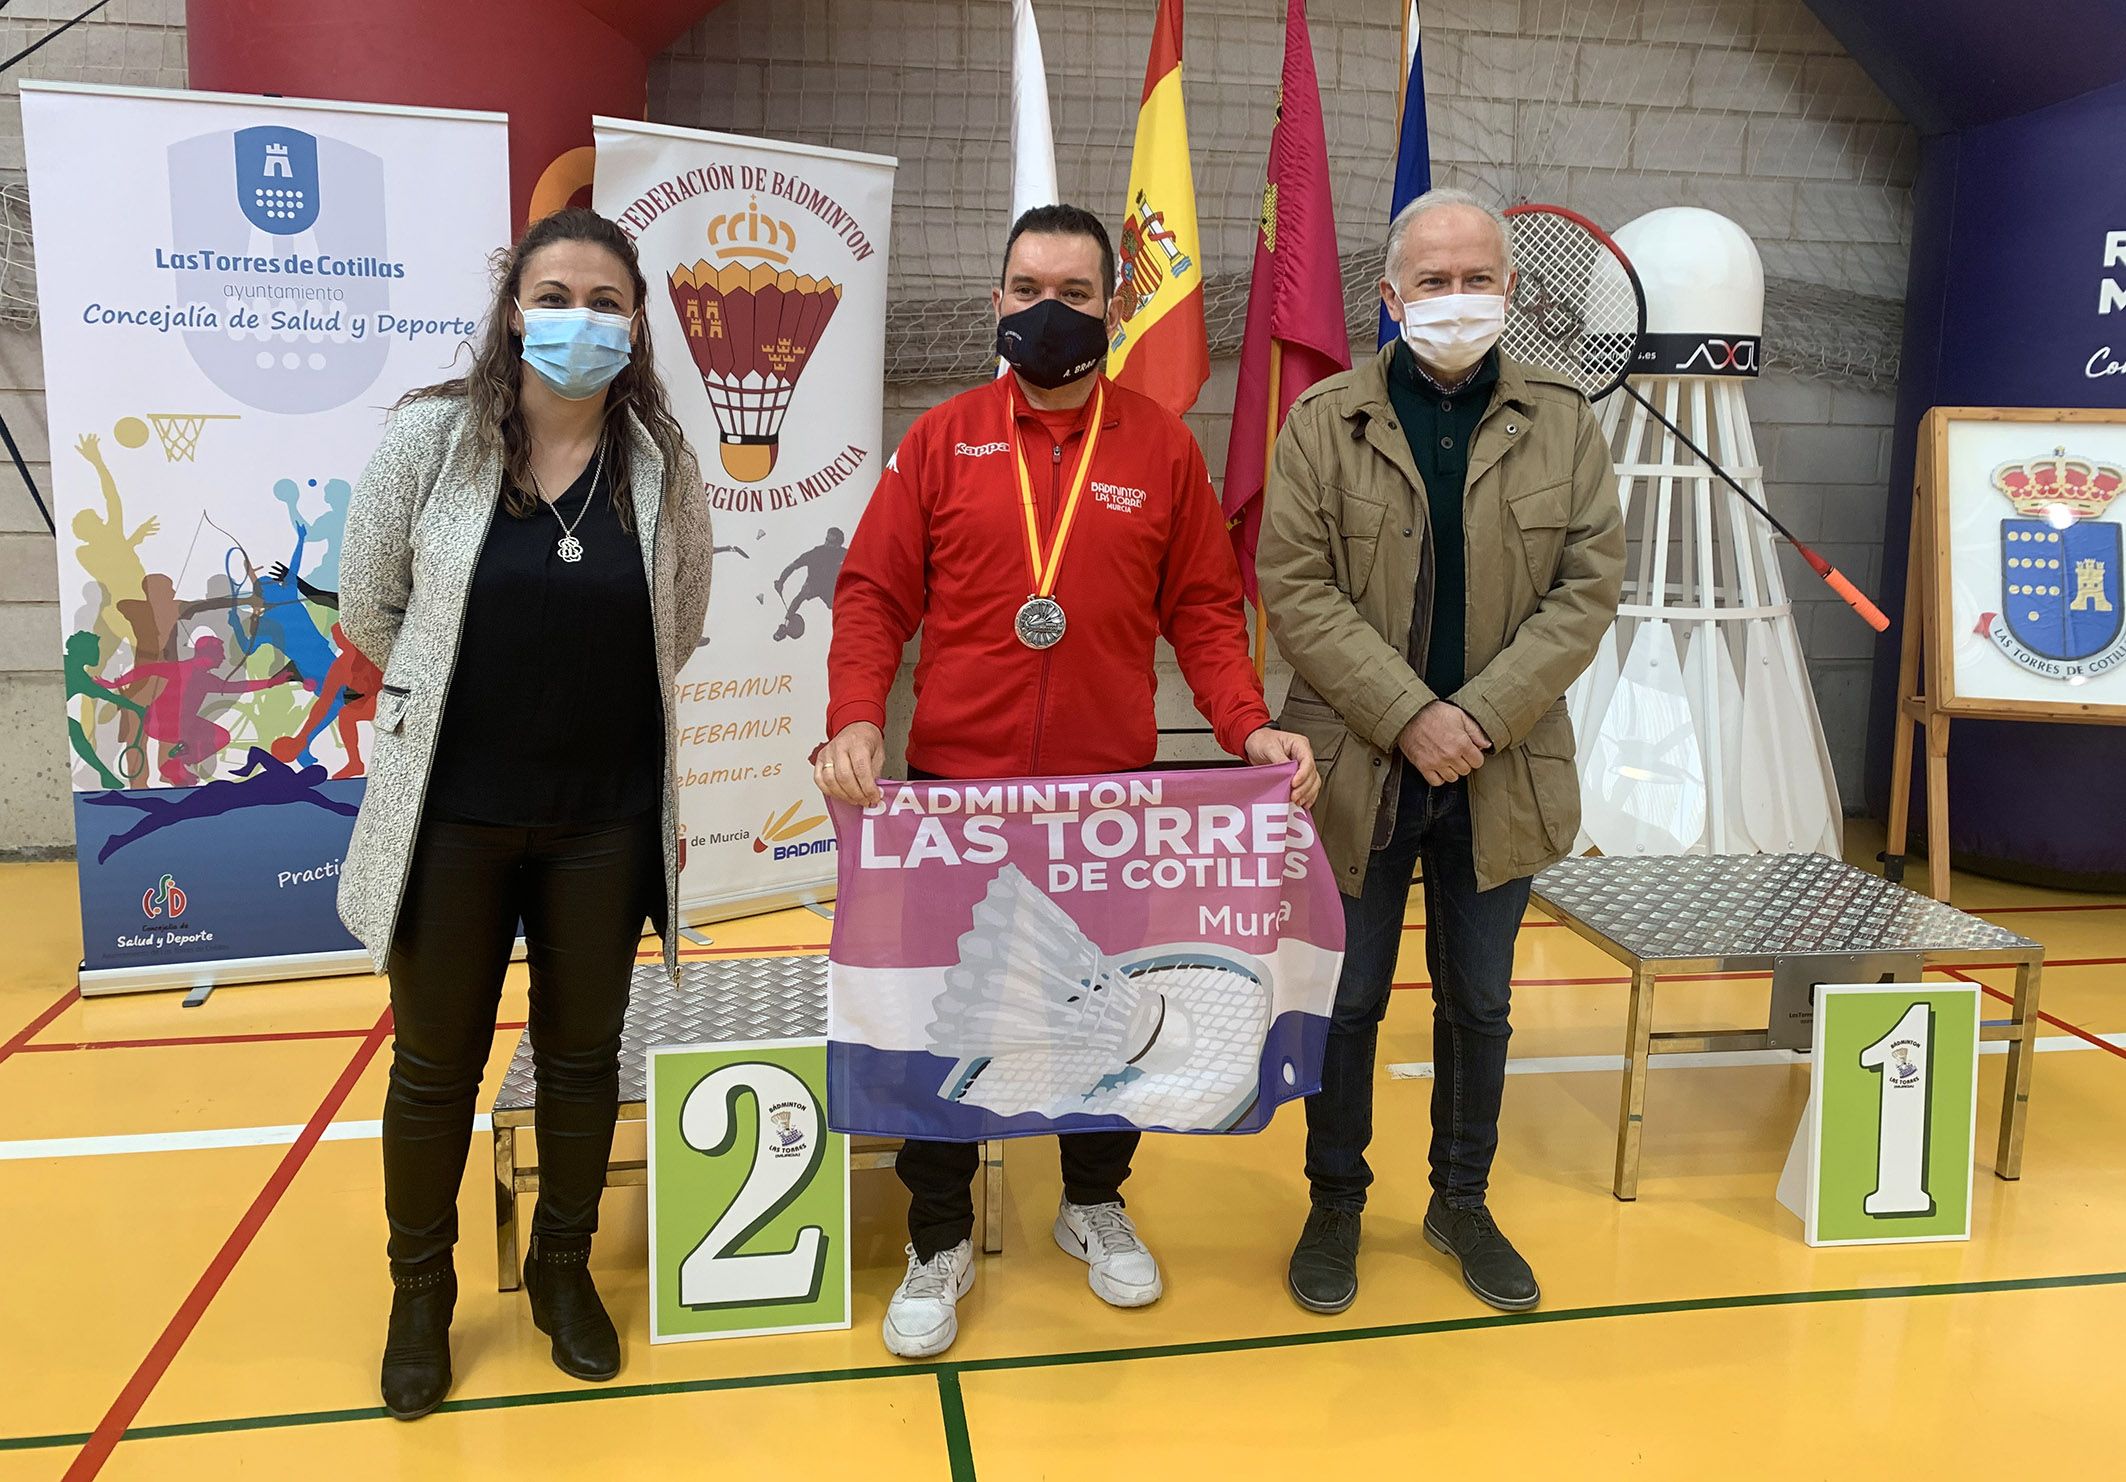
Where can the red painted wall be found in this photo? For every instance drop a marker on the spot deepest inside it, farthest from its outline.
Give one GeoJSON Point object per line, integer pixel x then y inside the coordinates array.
{"type": "Point", "coordinates": [548, 64]}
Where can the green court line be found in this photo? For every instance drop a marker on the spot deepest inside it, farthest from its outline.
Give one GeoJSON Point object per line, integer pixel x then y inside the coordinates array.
{"type": "Point", "coordinates": [957, 1446]}
{"type": "Point", "coordinates": [1214, 1346]}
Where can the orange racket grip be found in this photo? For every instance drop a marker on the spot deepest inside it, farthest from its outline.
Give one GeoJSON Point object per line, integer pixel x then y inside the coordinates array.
{"type": "Point", "coordinates": [1857, 600]}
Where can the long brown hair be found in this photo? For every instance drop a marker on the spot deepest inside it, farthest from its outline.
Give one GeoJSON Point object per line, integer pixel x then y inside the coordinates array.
{"type": "Point", "coordinates": [491, 386]}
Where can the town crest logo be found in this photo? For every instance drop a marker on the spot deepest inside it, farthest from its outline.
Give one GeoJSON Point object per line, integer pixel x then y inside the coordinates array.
{"type": "Point", "coordinates": [2063, 610]}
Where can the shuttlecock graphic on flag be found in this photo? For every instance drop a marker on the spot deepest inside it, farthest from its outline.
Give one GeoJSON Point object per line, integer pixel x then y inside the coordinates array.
{"type": "Point", "coordinates": [1039, 1020]}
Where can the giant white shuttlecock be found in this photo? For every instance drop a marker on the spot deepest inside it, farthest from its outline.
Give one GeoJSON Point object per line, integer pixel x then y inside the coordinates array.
{"type": "Point", "coordinates": [1039, 1019]}
{"type": "Point", "coordinates": [1697, 725]}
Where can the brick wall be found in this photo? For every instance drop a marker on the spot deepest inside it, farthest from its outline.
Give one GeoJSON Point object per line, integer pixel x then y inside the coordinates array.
{"type": "Point", "coordinates": [1746, 106]}
{"type": "Point", "coordinates": [137, 43]}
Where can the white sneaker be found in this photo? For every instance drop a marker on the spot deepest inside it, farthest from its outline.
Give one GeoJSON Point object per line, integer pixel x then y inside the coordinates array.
{"type": "Point", "coordinates": [922, 1319]}
{"type": "Point", "coordinates": [1120, 1270]}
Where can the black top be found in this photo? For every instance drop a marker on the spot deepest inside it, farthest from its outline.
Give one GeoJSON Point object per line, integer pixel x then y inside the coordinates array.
{"type": "Point", "coordinates": [1440, 426]}
{"type": "Point", "coordinates": [554, 715]}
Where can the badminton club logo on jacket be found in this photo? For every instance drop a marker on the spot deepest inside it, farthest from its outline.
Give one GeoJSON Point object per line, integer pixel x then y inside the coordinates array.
{"type": "Point", "coordinates": [1118, 497]}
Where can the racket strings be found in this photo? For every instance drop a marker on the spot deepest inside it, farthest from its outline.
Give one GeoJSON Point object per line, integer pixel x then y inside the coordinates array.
{"type": "Point", "coordinates": [1574, 309]}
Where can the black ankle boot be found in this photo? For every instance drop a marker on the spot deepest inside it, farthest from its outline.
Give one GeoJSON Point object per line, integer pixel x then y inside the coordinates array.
{"type": "Point", "coordinates": [416, 1375]}
{"type": "Point", "coordinates": [565, 1305]}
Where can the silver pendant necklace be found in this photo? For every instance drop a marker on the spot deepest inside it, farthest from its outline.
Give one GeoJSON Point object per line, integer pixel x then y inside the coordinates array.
{"type": "Point", "coordinates": [569, 548]}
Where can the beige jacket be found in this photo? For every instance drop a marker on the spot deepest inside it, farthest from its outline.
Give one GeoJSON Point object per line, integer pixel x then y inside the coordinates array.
{"type": "Point", "coordinates": [1345, 564]}
{"type": "Point", "coordinates": [414, 534]}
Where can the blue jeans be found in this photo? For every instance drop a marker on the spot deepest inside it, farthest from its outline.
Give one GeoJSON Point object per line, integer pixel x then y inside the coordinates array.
{"type": "Point", "coordinates": [1469, 951]}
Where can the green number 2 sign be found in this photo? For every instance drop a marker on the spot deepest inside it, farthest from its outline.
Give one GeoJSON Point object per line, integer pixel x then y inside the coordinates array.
{"type": "Point", "coordinates": [1892, 1114]}
{"type": "Point", "coordinates": [748, 1193]}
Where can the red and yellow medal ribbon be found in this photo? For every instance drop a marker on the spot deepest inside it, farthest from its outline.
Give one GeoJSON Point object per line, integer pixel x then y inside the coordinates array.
{"type": "Point", "coordinates": [1045, 570]}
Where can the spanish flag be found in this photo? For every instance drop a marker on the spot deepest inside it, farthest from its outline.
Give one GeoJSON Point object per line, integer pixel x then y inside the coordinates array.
{"type": "Point", "coordinates": [1160, 346]}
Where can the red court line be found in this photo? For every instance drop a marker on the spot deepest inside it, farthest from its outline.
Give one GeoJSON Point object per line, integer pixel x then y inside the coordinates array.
{"type": "Point", "coordinates": [1950, 967]}
{"type": "Point", "coordinates": [1598, 982]}
{"type": "Point", "coordinates": [262, 1037]}
{"type": "Point", "coordinates": [126, 1408]}
{"type": "Point", "coordinates": [273, 1037]}
{"type": "Point", "coordinates": [1525, 925]}
{"type": "Point", "coordinates": [796, 949]}
{"type": "Point", "coordinates": [29, 1031]}
{"type": "Point", "coordinates": [1938, 967]}
{"type": "Point", "coordinates": [2032, 910]}
{"type": "Point", "coordinates": [2074, 1029]}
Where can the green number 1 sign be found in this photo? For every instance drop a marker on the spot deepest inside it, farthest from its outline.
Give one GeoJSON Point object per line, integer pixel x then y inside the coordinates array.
{"type": "Point", "coordinates": [749, 1192]}
{"type": "Point", "coordinates": [1885, 1150]}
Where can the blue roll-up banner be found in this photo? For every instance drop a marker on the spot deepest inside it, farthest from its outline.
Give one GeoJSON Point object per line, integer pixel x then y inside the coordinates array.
{"type": "Point", "coordinates": [2033, 200]}
{"type": "Point", "coordinates": [233, 292]}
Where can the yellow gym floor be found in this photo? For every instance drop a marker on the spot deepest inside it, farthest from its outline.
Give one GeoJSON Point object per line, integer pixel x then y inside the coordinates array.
{"type": "Point", "coordinates": [193, 1280]}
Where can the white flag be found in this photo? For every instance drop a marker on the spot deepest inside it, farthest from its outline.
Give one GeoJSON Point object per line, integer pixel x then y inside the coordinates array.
{"type": "Point", "coordinates": [1033, 145]}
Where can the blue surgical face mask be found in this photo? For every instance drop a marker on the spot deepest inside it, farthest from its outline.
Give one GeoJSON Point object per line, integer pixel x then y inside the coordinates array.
{"type": "Point", "coordinates": [576, 351]}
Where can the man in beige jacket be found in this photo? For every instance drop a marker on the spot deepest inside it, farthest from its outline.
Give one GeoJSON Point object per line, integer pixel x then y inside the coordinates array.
{"type": "Point", "coordinates": [1441, 552]}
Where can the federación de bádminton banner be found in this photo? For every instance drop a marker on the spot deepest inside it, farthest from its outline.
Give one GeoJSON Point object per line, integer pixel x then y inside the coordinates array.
{"type": "Point", "coordinates": [1154, 950]}
{"type": "Point", "coordinates": [767, 272]}
{"type": "Point", "coordinates": [232, 292]}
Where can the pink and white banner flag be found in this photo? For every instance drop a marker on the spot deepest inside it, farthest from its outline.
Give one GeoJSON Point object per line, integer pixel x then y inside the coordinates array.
{"type": "Point", "coordinates": [1022, 956]}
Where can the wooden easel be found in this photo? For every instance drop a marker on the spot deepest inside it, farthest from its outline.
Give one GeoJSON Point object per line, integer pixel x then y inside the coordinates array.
{"type": "Point", "coordinates": [1927, 697]}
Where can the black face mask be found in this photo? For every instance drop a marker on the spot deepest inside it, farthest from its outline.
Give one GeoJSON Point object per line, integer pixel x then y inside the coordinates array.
{"type": "Point", "coordinates": [1052, 344]}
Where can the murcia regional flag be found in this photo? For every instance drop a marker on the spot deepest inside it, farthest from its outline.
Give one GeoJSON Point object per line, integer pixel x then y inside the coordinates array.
{"type": "Point", "coordinates": [1160, 347]}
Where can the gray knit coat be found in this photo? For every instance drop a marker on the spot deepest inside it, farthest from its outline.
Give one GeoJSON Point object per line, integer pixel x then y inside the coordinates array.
{"type": "Point", "coordinates": [414, 532]}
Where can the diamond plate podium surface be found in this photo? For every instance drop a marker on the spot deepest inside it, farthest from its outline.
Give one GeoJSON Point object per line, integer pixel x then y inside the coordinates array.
{"type": "Point", "coordinates": [1749, 909]}
{"type": "Point", "coordinates": [1672, 914]}
{"type": "Point", "coordinates": [725, 1001]}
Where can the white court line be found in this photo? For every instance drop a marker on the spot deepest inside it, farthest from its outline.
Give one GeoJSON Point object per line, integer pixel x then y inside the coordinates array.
{"type": "Point", "coordinates": [252, 1137]}
{"type": "Point", "coordinates": [195, 1141]}
{"type": "Point", "coordinates": [1421, 1070]}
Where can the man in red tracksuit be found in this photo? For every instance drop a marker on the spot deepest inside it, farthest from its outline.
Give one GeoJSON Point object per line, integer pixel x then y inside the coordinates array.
{"type": "Point", "coordinates": [1042, 531]}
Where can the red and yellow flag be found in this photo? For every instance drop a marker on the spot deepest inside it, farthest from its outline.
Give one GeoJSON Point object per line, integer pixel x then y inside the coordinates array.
{"type": "Point", "coordinates": [1295, 333]}
{"type": "Point", "coordinates": [1160, 346]}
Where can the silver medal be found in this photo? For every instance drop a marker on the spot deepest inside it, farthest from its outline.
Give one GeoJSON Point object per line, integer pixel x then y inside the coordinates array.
{"type": "Point", "coordinates": [1040, 622]}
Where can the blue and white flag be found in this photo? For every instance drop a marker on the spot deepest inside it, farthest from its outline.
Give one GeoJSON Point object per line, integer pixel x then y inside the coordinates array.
{"type": "Point", "coordinates": [1413, 147]}
{"type": "Point", "coordinates": [1022, 957]}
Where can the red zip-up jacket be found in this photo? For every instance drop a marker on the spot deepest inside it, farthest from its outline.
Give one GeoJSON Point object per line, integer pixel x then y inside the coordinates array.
{"type": "Point", "coordinates": [942, 546]}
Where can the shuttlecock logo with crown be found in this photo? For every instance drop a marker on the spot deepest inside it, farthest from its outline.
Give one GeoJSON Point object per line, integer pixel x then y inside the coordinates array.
{"type": "Point", "coordinates": [751, 325]}
{"type": "Point", "coordinates": [1039, 1020]}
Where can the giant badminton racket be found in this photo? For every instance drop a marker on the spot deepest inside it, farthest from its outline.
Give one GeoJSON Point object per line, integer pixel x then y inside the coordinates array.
{"type": "Point", "coordinates": [1577, 308]}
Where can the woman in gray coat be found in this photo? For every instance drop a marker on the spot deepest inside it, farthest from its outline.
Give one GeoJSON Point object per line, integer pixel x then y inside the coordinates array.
{"type": "Point", "coordinates": [527, 560]}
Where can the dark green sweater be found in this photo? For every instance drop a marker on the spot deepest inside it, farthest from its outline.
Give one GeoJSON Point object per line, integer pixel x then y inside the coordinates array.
{"type": "Point", "coordinates": [1440, 426]}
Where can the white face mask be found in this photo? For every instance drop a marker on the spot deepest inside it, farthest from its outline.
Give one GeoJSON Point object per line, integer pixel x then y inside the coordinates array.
{"type": "Point", "coordinates": [1454, 331]}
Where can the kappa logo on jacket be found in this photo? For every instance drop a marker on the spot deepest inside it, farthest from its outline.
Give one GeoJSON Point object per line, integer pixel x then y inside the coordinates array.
{"type": "Point", "coordinates": [979, 450]}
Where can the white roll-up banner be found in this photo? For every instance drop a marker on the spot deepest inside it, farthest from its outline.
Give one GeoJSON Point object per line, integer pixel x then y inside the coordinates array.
{"type": "Point", "coordinates": [233, 290]}
{"type": "Point", "coordinates": [767, 271]}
